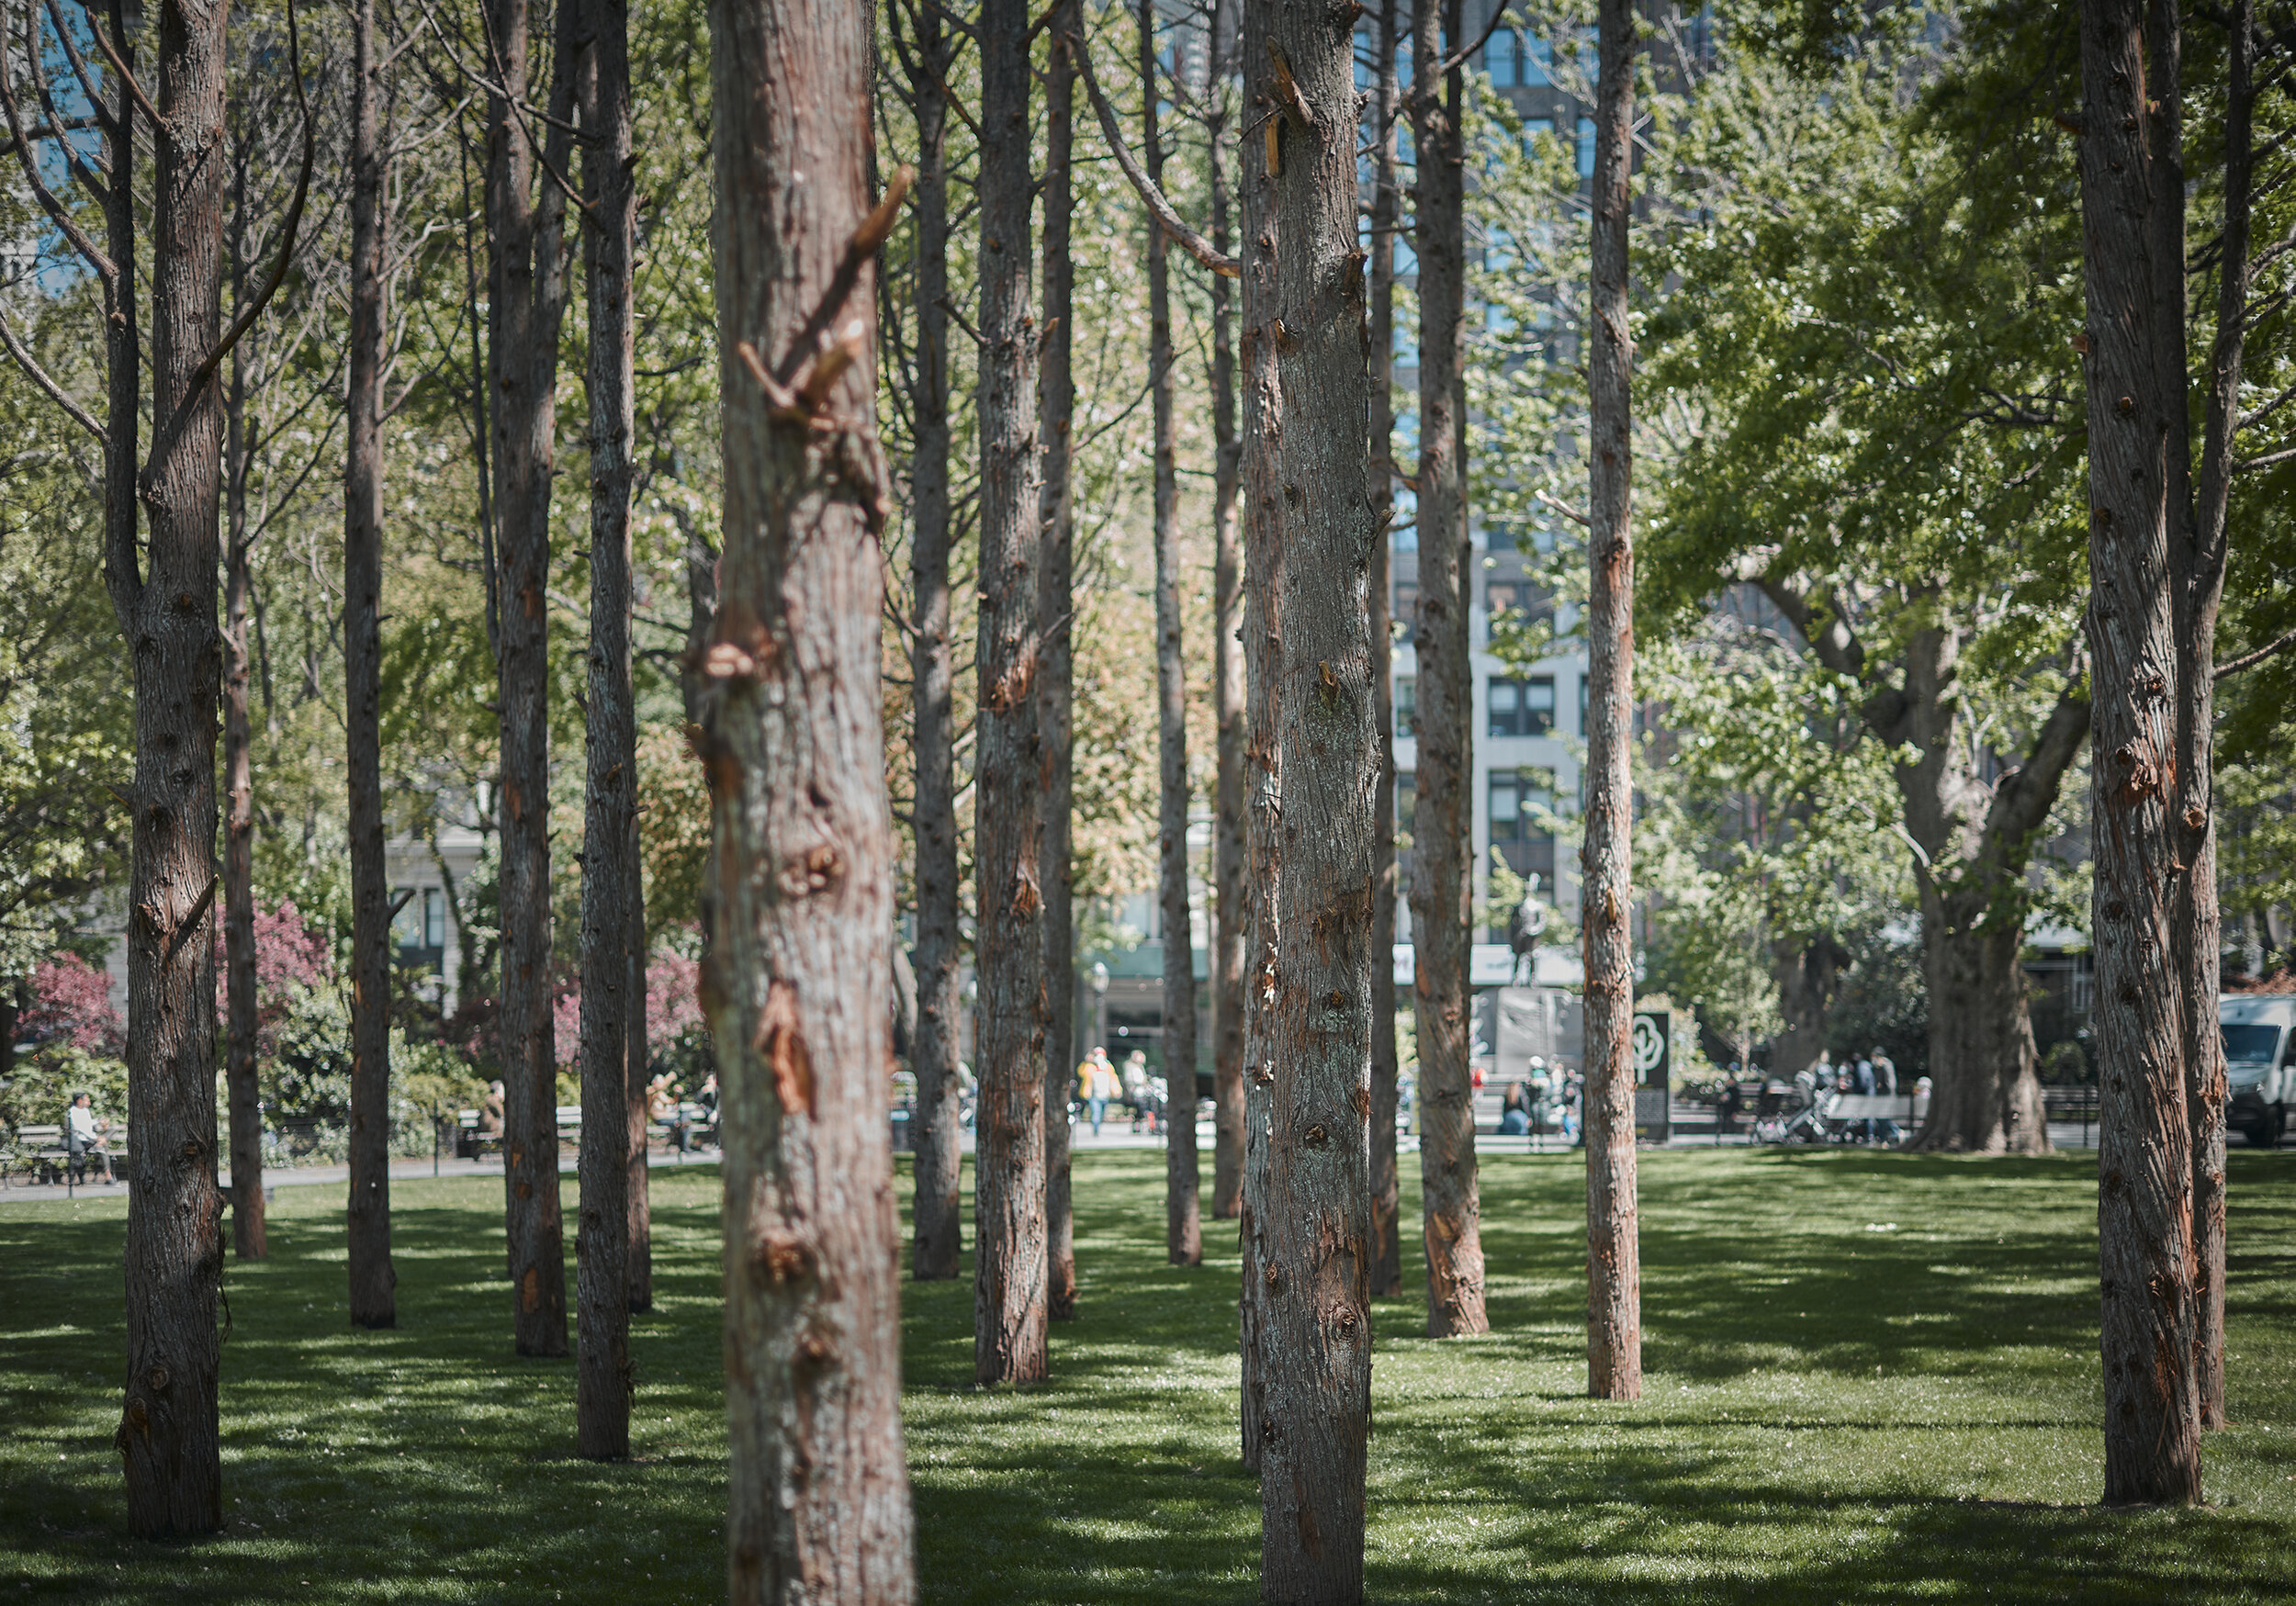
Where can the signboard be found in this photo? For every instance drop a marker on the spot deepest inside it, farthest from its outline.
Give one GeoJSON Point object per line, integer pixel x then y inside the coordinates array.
{"type": "Point", "coordinates": [1653, 1046]}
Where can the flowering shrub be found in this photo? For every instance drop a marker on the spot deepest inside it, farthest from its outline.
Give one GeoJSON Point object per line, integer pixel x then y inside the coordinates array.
{"type": "Point", "coordinates": [72, 1004]}
{"type": "Point", "coordinates": [674, 1025]}
{"type": "Point", "coordinates": [291, 960]}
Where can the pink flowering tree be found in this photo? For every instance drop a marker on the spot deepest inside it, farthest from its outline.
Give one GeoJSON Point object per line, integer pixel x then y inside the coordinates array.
{"type": "Point", "coordinates": [673, 1009]}
{"type": "Point", "coordinates": [72, 1004]}
{"type": "Point", "coordinates": [291, 959]}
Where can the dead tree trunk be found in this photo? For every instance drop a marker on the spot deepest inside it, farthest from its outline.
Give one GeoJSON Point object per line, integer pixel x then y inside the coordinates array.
{"type": "Point", "coordinates": [2145, 1143]}
{"type": "Point", "coordinates": [1444, 825]}
{"type": "Point", "coordinates": [938, 1158]}
{"type": "Point", "coordinates": [1183, 1225]}
{"type": "Point", "coordinates": [249, 1239]}
{"type": "Point", "coordinates": [1614, 1284]}
{"type": "Point", "coordinates": [799, 993]}
{"type": "Point", "coordinates": [1010, 1279]}
{"type": "Point", "coordinates": [1232, 916]}
{"type": "Point", "coordinates": [1387, 1245]}
{"type": "Point", "coordinates": [1315, 1333]}
{"type": "Point", "coordinates": [528, 299]}
{"type": "Point", "coordinates": [601, 1394]}
{"type": "Point", "coordinates": [1056, 408]}
{"type": "Point", "coordinates": [374, 1299]}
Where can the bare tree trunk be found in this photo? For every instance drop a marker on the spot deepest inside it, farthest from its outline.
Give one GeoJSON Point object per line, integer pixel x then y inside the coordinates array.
{"type": "Point", "coordinates": [799, 992]}
{"type": "Point", "coordinates": [2145, 1143]}
{"type": "Point", "coordinates": [2199, 562]}
{"type": "Point", "coordinates": [528, 297]}
{"type": "Point", "coordinates": [1056, 406]}
{"type": "Point", "coordinates": [374, 1281]}
{"type": "Point", "coordinates": [1183, 1225]}
{"type": "Point", "coordinates": [601, 1394]}
{"type": "Point", "coordinates": [1808, 971]}
{"type": "Point", "coordinates": [638, 1204]}
{"type": "Point", "coordinates": [244, 1094]}
{"type": "Point", "coordinates": [1263, 606]}
{"type": "Point", "coordinates": [1009, 1277]}
{"type": "Point", "coordinates": [939, 1137]}
{"type": "Point", "coordinates": [1315, 1223]}
{"type": "Point", "coordinates": [1614, 1285]}
{"type": "Point", "coordinates": [168, 1430]}
{"type": "Point", "coordinates": [1232, 914]}
{"type": "Point", "coordinates": [1985, 1096]}
{"type": "Point", "coordinates": [1387, 1245]}
{"type": "Point", "coordinates": [1443, 826]}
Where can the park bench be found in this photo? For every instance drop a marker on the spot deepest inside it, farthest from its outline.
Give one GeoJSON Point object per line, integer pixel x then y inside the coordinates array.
{"type": "Point", "coordinates": [41, 1155]}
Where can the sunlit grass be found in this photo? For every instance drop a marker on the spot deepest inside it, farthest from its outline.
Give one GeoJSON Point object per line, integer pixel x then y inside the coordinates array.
{"type": "Point", "coordinates": [1869, 1376]}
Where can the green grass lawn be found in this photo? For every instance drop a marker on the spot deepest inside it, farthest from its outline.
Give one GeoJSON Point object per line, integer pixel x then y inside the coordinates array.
{"type": "Point", "coordinates": [1869, 1376]}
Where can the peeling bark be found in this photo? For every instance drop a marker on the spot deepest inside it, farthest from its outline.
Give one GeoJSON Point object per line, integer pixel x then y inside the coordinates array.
{"type": "Point", "coordinates": [1304, 289]}
{"type": "Point", "coordinates": [1443, 835]}
{"type": "Point", "coordinates": [798, 990]}
{"type": "Point", "coordinates": [1614, 1284]}
{"type": "Point", "coordinates": [1009, 1270]}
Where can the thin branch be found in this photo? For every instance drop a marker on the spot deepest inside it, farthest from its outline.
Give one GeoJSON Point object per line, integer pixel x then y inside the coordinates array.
{"type": "Point", "coordinates": [96, 27]}
{"type": "Point", "coordinates": [1188, 238]}
{"type": "Point", "coordinates": [1452, 62]}
{"type": "Point", "coordinates": [39, 375]}
{"type": "Point", "coordinates": [2250, 660]}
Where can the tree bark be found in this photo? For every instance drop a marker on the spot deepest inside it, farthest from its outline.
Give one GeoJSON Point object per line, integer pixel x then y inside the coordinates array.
{"type": "Point", "coordinates": [2198, 560]}
{"type": "Point", "coordinates": [1009, 1270]}
{"type": "Point", "coordinates": [1808, 970]}
{"type": "Point", "coordinates": [1315, 1226]}
{"type": "Point", "coordinates": [373, 1302]}
{"type": "Point", "coordinates": [934, 1059]}
{"type": "Point", "coordinates": [799, 992]}
{"type": "Point", "coordinates": [1444, 831]}
{"type": "Point", "coordinates": [1183, 1225]}
{"type": "Point", "coordinates": [1262, 607]}
{"type": "Point", "coordinates": [602, 1395]}
{"type": "Point", "coordinates": [2144, 1142]}
{"type": "Point", "coordinates": [638, 1204]}
{"type": "Point", "coordinates": [1056, 406]}
{"type": "Point", "coordinates": [168, 1430]}
{"type": "Point", "coordinates": [1614, 1285]}
{"type": "Point", "coordinates": [249, 1239]}
{"type": "Point", "coordinates": [528, 299]}
{"type": "Point", "coordinates": [1387, 1245]}
{"type": "Point", "coordinates": [1232, 915]}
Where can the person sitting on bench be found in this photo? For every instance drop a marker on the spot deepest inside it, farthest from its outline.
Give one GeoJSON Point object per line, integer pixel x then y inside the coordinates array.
{"type": "Point", "coordinates": [84, 1137]}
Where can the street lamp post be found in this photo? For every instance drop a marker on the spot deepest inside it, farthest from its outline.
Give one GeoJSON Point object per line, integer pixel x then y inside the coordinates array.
{"type": "Point", "coordinates": [1099, 1004]}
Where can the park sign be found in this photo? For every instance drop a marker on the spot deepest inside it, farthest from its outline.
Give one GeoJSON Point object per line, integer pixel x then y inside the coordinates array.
{"type": "Point", "coordinates": [1653, 1048]}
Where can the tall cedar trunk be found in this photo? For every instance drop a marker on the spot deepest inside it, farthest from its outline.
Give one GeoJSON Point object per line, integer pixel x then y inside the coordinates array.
{"type": "Point", "coordinates": [527, 298]}
{"type": "Point", "coordinates": [2199, 559]}
{"type": "Point", "coordinates": [1444, 824]}
{"type": "Point", "coordinates": [934, 1058]}
{"type": "Point", "coordinates": [1232, 919]}
{"type": "Point", "coordinates": [601, 1381]}
{"type": "Point", "coordinates": [1183, 1224]}
{"type": "Point", "coordinates": [241, 1091]}
{"type": "Point", "coordinates": [637, 1207]}
{"type": "Point", "coordinates": [168, 1437]}
{"type": "Point", "coordinates": [374, 1300]}
{"type": "Point", "coordinates": [1008, 1255]}
{"type": "Point", "coordinates": [702, 568]}
{"type": "Point", "coordinates": [799, 992]}
{"type": "Point", "coordinates": [1387, 1244]}
{"type": "Point", "coordinates": [1262, 663]}
{"type": "Point", "coordinates": [2144, 1145]}
{"type": "Point", "coordinates": [1056, 406]}
{"type": "Point", "coordinates": [1315, 1225]}
{"type": "Point", "coordinates": [1614, 1256]}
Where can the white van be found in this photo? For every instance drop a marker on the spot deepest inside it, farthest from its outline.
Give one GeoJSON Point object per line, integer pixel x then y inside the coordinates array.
{"type": "Point", "coordinates": [2259, 1030]}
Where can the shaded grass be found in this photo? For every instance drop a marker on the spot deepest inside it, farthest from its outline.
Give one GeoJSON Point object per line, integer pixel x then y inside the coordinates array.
{"type": "Point", "coordinates": [1870, 1377]}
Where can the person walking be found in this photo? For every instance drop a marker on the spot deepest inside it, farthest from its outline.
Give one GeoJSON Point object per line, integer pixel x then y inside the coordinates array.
{"type": "Point", "coordinates": [1099, 1086]}
{"type": "Point", "coordinates": [1886, 1083]}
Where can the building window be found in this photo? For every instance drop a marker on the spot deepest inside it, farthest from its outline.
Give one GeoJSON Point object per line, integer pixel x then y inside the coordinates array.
{"type": "Point", "coordinates": [1406, 800]}
{"type": "Point", "coordinates": [1586, 147]}
{"type": "Point", "coordinates": [1407, 602]}
{"type": "Point", "coordinates": [1499, 59]}
{"type": "Point", "coordinates": [1516, 795]}
{"type": "Point", "coordinates": [419, 929]}
{"type": "Point", "coordinates": [1526, 603]}
{"type": "Point", "coordinates": [1522, 708]}
{"type": "Point", "coordinates": [1406, 705]}
{"type": "Point", "coordinates": [1538, 62]}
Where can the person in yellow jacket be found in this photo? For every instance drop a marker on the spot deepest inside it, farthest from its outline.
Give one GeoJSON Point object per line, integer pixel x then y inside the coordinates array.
{"type": "Point", "coordinates": [1095, 1084]}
